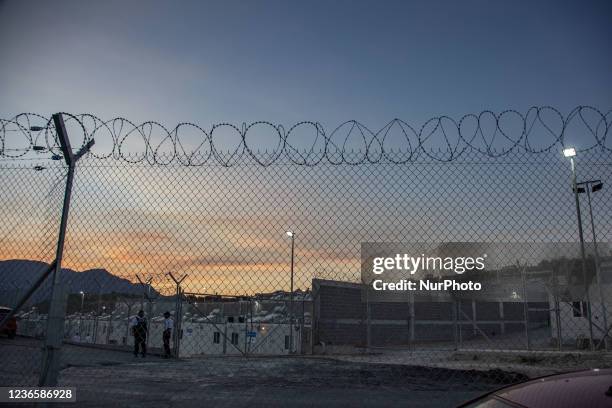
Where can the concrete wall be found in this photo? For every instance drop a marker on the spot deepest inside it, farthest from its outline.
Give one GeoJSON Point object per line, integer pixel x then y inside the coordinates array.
{"type": "Point", "coordinates": [341, 318]}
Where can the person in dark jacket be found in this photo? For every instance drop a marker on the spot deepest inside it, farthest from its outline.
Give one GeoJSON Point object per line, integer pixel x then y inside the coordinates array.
{"type": "Point", "coordinates": [139, 331]}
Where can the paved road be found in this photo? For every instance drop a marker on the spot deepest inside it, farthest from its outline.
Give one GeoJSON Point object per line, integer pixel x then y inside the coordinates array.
{"type": "Point", "coordinates": [113, 378]}
{"type": "Point", "coordinates": [21, 359]}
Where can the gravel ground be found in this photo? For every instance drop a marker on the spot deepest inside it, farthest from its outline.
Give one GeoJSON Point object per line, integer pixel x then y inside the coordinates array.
{"type": "Point", "coordinates": [529, 363]}
{"type": "Point", "coordinates": [272, 382]}
{"type": "Point", "coordinates": [116, 378]}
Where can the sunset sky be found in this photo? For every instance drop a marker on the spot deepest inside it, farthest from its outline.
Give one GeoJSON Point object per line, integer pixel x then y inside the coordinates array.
{"type": "Point", "coordinates": [225, 227]}
{"type": "Point", "coordinates": [212, 62]}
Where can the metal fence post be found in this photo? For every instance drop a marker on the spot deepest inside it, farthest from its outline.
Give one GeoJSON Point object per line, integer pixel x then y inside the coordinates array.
{"type": "Point", "coordinates": [178, 318]}
{"type": "Point", "coordinates": [582, 254]}
{"type": "Point", "coordinates": [291, 295]}
{"type": "Point", "coordinates": [368, 315]}
{"type": "Point", "coordinates": [314, 325]}
{"type": "Point", "coordinates": [525, 307]}
{"type": "Point", "coordinates": [412, 322]}
{"type": "Point", "coordinates": [557, 305]}
{"type": "Point", "coordinates": [602, 303]}
{"type": "Point", "coordinates": [55, 321]}
{"type": "Point", "coordinates": [146, 294]}
{"type": "Point", "coordinates": [455, 323]}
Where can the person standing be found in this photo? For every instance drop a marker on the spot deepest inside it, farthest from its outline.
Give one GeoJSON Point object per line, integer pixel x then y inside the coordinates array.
{"type": "Point", "coordinates": [139, 330]}
{"type": "Point", "coordinates": [168, 327]}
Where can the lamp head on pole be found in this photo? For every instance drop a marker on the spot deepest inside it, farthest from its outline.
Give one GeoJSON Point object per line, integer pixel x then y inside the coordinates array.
{"type": "Point", "coordinates": [569, 152]}
{"type": "Point", "coordinates": [579, 189]}
{"type": "Point", "coordinates": [289, 234]}
{"type": "Point", "coordinates": [597, 186]}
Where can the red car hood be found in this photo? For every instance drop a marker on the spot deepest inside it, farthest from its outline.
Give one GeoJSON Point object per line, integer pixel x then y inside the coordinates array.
{"type": "Point", "coordinates": [590, 388]}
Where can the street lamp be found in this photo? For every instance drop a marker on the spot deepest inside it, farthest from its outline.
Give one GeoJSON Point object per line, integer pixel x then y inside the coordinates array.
{"type": "Point", "coordinates": [82, 300]}
{"type": "Point", "coordinates": [571, 153]}
{"type": "Point", "coordinates": [81, 315]}
{"type": "Point", "coordinates": [291, 235]}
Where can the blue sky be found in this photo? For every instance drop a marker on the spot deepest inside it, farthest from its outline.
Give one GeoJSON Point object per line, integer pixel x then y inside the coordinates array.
{"type": "Point", "coordinates": [286, 61]}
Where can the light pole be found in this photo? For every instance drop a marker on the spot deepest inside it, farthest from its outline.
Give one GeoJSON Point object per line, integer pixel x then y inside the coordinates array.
{"type": "Point", "coordinates": [593, 186]}
{"type": "Point", "coordinates": [81, 315]}
{"type": "Point", "coordinates": [96, 321]}
{"type": "Point", "coordinates": [291, 235]}
{"type": "Point", "coordinates": [571, 153]}
{"type": "Point", "coordinates": [16, 290]}
{"type": "Point", "coordinates": [82, 300]}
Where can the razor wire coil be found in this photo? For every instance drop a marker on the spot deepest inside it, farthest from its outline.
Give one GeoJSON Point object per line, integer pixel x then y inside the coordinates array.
{"type": "Point", "coordinates": [487, 133]}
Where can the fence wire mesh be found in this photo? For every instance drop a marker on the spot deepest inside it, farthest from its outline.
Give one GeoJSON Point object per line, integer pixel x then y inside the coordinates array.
{"type": "Point", "coordinates": [208, 244]}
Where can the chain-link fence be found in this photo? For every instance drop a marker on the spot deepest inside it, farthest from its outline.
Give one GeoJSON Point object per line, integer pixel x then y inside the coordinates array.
{"type": "Point", "coordinates": [209, 244]}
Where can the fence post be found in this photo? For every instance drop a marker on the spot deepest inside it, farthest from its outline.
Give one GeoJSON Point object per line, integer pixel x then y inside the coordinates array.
{"type": "Point", "coordinates": [368, 320]}
{"type": "Point", "coordinates": [412, 317]}
{"type": "Point", "coordinates": [55, 318]}
{"type": "Point", "coordinates": [146, 294]}
{"type": "Point", "coordinates": [455, 323]}
{"type": "Point", "coordinates": [314, 325]}
{"type": "Point", "coordinates": [474, 325]}
{"type": "Point", "coordinates": [178, 324]}
{"type": "Point", "coordinates": [502, 327]}
{"type": "Point", "coordinates": [178, 318]}
{"type": "Point", "coordinates": [525, 306]}
{"type": "Point", "coordinates": [110, 326]}
{"type": "Point", "coordinates": [460, 323]}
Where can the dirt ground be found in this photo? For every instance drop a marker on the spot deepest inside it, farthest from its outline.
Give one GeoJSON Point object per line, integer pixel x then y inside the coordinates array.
{"type": "Point", "coordinates": [273, 382]}
{"type": "Point", "coordinates": [116, 378]}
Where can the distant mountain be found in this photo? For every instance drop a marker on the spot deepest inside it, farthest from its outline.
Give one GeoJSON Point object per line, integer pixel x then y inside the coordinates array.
{"type": "Point", "coordinates": [20, 274]}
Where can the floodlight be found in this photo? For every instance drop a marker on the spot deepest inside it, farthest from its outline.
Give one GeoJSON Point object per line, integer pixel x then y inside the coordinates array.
{"type": "Point", "coordinates": [580, 190]}
{"type": "Point", "coordinates": [569, 152]}
{"type": "Point", "coordinates": [597, 186]}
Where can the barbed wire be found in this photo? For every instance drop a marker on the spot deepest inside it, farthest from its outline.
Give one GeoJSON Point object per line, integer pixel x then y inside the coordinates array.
{"type": "Point", "coordinates": [493, 135]}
